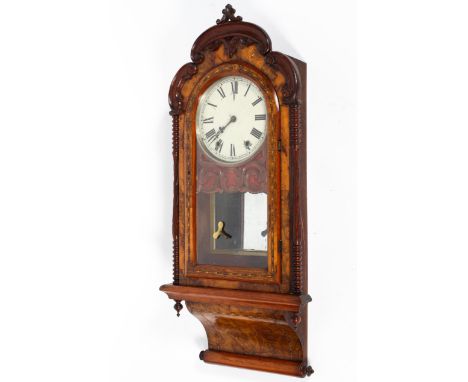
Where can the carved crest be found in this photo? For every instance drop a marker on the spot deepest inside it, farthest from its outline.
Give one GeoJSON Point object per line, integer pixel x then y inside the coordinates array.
{"type": "Point", "coordinates": [228, 15]}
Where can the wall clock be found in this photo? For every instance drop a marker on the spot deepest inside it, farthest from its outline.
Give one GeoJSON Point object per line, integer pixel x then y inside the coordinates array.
{"type": "Point", "coordinates": [240, 198]}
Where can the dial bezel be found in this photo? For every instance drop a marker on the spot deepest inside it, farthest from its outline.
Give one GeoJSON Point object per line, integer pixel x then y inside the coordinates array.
{"type": "Point", "coordinates": [199, 131]}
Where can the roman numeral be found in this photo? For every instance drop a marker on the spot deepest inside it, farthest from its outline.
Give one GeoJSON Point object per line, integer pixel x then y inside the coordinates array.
{"type": "Point", "coordinates": [233, 150]}
{"type": "Point", "coordinates": [257, 101]}
{"type": "Point", "coordinates": [210, 134]}
{"type": "Point", "coordinates": [234, 87]}
{"type": "Point", "coordinates": [221, 92]}
{"type": "Point", "coordinates": [219, 145]}
{"type": "Point", "coordinates": [257, 134]}
{"type": "Point", "coordinates": [260, 117]}
{"type": "Point", "coordinates": [212, 104]}
{"type": "Point", "coordinates": [247, 90]}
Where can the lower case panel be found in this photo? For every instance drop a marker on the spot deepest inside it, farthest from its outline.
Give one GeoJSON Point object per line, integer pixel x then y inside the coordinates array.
{"type": "Point", "coordinates": [253, 330]}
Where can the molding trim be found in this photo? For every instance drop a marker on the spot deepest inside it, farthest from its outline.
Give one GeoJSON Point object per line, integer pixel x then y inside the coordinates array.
{"type": "Point", "coordinates": [297, 271]}
{"type": "Point", "coordinates": [175, 204]}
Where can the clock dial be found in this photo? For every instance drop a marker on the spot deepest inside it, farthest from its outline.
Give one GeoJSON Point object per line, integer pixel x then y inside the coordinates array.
{"type": "Point", "coordinates": [231, 119]}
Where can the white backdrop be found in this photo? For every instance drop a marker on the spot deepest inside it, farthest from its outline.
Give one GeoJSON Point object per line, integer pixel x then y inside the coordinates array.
{"type": "Point", "coordinates": [86, 186]}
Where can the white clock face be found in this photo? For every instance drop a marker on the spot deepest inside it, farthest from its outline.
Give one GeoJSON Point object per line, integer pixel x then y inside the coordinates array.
{"type": "Point", "coordinates": [232, 119]}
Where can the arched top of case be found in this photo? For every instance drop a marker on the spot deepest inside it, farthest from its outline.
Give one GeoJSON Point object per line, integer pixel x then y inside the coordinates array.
{"type": "Point", "coordinates": [235, 34]}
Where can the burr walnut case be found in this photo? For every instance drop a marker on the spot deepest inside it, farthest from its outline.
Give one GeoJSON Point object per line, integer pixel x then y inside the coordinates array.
{"type": "Point", "coordinates": [240, 198]}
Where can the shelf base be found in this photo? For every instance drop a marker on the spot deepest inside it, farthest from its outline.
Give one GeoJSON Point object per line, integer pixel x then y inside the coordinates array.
{"type": "Point", "coordinates": [272, 365]}
{"type": "Point", "coordinates": [247, 329]}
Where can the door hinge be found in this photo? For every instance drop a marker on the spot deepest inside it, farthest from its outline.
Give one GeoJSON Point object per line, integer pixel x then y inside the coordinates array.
{"type": "Point", "coordinates": [279, 145]}
{"type": "Point", "coordinates": [280, 246]}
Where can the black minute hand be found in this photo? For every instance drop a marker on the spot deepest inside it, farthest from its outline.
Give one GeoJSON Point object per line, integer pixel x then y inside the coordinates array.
{"type": "Point", "coordinates": [232, 119]}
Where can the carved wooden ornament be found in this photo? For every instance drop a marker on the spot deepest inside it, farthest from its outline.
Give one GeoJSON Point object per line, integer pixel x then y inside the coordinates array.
{"type": "Point", "coordinates": [252, 303]}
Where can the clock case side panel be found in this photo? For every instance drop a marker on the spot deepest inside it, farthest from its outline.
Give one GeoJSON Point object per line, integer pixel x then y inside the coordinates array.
{"type": "Point", "coordinates": [298, 172]}
{"type": "Point", "coordinates": [298, 200]}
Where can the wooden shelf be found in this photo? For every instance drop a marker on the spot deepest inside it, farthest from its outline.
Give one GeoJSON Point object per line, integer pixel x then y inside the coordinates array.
{"type": "Point", "coordinates": [254, 330]}
{"type": "Point", "coordinates": [274, 301]}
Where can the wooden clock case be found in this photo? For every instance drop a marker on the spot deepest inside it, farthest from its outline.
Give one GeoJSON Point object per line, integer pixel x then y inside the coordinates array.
{"type": "Point", "coordinates": [254, 318]}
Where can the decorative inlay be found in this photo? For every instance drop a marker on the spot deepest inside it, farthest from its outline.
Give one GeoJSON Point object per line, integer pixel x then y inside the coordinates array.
{"type": "Point", "coordinates": [238, 274]}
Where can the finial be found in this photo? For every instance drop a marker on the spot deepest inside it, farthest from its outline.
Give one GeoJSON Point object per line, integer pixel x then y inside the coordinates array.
{"type": "Point", "coordinates": [178, 307]}
{"type": "Point", "coordinates": [228, 15]}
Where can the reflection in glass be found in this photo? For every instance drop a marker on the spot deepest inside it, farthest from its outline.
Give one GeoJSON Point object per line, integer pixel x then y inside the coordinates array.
{"type": "Point", "coordinates": [234, 229]}
{"type": "Point", "coordinates": [245, 221]}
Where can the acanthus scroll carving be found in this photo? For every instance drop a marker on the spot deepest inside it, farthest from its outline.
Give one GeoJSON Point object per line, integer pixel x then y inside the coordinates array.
{"type": "Point", "coordinates": [283, 64]}
{"type": "Point", "coordinates": [176, 101]}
